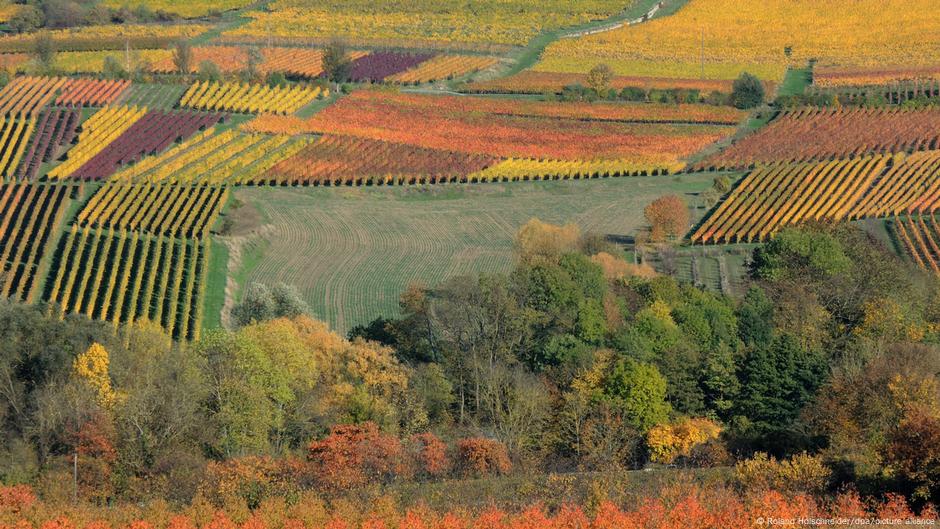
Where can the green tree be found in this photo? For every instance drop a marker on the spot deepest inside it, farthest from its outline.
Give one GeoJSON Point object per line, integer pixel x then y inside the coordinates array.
{"type": "Point", "coordinates": [256, 305]}
{"type": "Point", "coordinates": [287, 302]}
{"type": "Point", "coordinates": [777, 381]}
{"type": "Point", "coordinates": [113, 69]}
{"type": "Point", "coordinates": [801, 254]}
{"type": "Point", "coordinates": [252, 72]}
{"type": "Point", "coordinates": [639, 390]}
{"type": "Point", "coordinates": [336, 63]}
{"type": "Point", "coordinates": [183, 57]}
{"type": "Point", "coordinates": [747, 91]}
{"type": "Point", "coordinates": [756, 318]}
{"type": "Point", "coordinates": [27, 18]}
{"type": "Point", "coordinates": [720, 382]}
{"type": "Point", "coordinates": [209, 72]}
{"type": "Point", "coordinates": [44, 50]}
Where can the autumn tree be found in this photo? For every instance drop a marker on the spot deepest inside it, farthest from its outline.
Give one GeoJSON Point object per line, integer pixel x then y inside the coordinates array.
{"type": "Point", "coordinates": [92, 367]}
{"type": "Point", "coordinates": [667, 442]}
{"type": "Point", "coordinates": [599, 78]}
{"type": "Point", "coordinates": [668, 216]}
{"type": "Point", "coordinates": [429, 454]}
{"type": "Point", "coordinates": [537, 241]}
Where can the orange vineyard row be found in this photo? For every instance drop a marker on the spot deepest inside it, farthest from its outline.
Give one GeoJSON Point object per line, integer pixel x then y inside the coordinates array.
{"type": "Point", "coordinates": [772, 197]}
{"type": "Point", "coordinates": [820, 134]}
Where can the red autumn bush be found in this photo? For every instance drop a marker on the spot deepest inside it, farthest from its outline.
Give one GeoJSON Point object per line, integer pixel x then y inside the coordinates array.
{"type": "Point", "coordinates": [356, 454]}
{"type": "Point", "coordinates": [16, 498]}
{"type": "Point", "coordinates": [429, 454]}
{"type": "Point", "coordinates": [480, 456]}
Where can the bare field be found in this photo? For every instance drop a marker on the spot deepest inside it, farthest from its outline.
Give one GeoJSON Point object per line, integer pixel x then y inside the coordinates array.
{"type": "Point", "coordinates": [351, 251]}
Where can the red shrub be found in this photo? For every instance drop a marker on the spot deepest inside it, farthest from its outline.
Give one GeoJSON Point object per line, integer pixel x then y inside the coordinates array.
{"type": "Point", "coordinates": [480, 456]}
{"type": "Point", "coordinates": [356, 454]}
{"type": "Point", "coordinates": [16, 498]}
{"type": "Point", "coordinates": [429, 454]}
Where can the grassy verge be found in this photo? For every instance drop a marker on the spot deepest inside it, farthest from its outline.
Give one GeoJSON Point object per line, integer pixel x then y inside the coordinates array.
{"type": "Point", "coordinates": [626, 488]}
{"type": "Point", "coordinates": [796, 81]}
{"type": "Point", "coordinates": [215, 285]}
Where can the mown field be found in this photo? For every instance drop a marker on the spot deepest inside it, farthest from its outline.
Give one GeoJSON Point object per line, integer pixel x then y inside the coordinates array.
{"type": "Point", "coordinates": [351, 251]}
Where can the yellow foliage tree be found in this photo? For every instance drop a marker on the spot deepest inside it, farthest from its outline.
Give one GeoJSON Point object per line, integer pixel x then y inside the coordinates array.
{"type": "Point", "coordinates": [616, 268]}
{"type": "Point", "coordinates": [92, 367]}
{"type": "Point", "coordinates": [668, 441]}
{"type": "Point", "coordinates": [539, 241]}
{"type": "Point", "coordinates": [801, 473]}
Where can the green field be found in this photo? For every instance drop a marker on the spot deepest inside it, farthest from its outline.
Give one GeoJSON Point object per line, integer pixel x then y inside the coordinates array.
{"type": "Point", "coordinates": [351, 251]}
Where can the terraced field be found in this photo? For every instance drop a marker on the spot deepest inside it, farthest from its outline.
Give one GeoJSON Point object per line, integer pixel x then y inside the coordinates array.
{"type": "Point", "coordinates": [352, 250]}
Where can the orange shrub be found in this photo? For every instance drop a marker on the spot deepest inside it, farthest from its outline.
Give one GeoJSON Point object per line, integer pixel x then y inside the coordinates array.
{"type": "Point", "coordinates": [357, 454]}
{"type": "Point", "coordinates": [480, 456]}
{"type": "Point", "coordinates": [16, 498]}
{"type": "Point", "coordinates": [430, 454]}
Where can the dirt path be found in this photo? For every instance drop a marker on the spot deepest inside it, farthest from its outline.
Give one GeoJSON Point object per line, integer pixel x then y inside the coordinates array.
{"type": "Point", "coordinates": [649, 14]}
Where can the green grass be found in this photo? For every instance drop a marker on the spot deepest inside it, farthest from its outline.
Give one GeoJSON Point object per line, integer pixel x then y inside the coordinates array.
{"type": "Point", "coordinates": [215, 285]}
{"type": "Point", "coordinates": [317, 105]}
{"type": "Point", "coordinates": [154, 96]}
{"type": "Point", "coordinates": [796, 81]}
{"type": "Point", "coordinates": [351, 251]}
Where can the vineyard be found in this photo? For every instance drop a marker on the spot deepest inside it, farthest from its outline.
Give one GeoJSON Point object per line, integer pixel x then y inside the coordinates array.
{"type": "Point", "coordinates": [778, 195]}
{"type": "Point", "coordinates": [107, 37]}
{"type": "Point", "coordinates": [97, 133]}
{"type": "Point", "coordinates": [29, 214]}
{"type": "Point", "coordinates": [920, 237]}
{"type": "Point", "coordinates": [535, 82]}
{"type": "Point", "coordinates": [177, 211]}
{"type": "Point", "coordinates": [827, 77]}
{"type": "Point", "coordinates": [442, 67]}
{"type": "Point", "coordinates": [208, 158]}
{"type": "Point", "coordinates": [163, 152]}
{"type": "Point", "coordinates": [337, 160]}
{"type": "Point", "coordinates": [56, 129]}
{"type": "Point", "coordinates": [248, 98]}
{"type": "Point", "coordinates": [488, 24]}
{"type": "Point", "coordinates": [484, 126]}
{"type": "Point", "coordinates": [150, 134]}
{"type": "Point", "coordinates": [122, 276]}
{"type": "Point", "coordinates": [818, 134]}
{"type": "Point", "coordinates": [188, 9]}
{"type": "Point", "coordinates": [719, 39]}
